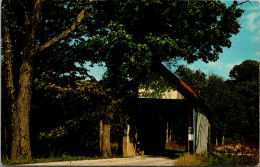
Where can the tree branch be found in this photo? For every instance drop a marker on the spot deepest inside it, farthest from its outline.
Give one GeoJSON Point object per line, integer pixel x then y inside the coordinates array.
{"type": "Point", "coordinates": [36, 16]}
{"type": "Point", "coordinates": [7, 66]}
{"type": "Point", "coordinates": [65, 33]}
{"type": "Point", "coordinates": [8, 71]}
{"type": "Point", "coordinates": [241, 3]}
{"type": "Point", "coordinates": [90, 76]}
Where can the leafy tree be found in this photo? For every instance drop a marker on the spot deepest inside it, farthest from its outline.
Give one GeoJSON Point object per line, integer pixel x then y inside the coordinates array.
{"type": "Point", "coordinates": [166, 27]}
{"type": "Point", "coordinates": [246, 84]}
{"type": "Point", "coordinates": [73, 111]}
{"type": "Point", "coordinates": [196, 80]}
{"type": "Point", "coordinates": [248, 70]}
{"type": "Point", "coordinates": [213, 90]}
{"type": "Point", "coordinates": [22, 41]}
{"type": "Point", "coordinates": [138, 34]}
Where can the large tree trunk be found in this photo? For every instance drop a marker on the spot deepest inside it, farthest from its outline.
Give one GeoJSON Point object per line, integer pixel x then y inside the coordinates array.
{"type": "Point", "coordinates": [104, 133]}
{"type": "Point", "coordinates": [20, 148]}
{"type": "Point", "coordinates": [113, 73]}
{"type": "Point", "coordinates": [20, 128]}
{"type": "Point", "coordinates": [100, 136]}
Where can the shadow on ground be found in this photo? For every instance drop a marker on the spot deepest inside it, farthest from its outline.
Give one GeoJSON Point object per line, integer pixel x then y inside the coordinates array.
{"type": "Point", "coordinates": [172, 154]}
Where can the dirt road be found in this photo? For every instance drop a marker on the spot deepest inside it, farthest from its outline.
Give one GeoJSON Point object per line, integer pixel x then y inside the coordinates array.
{"type": "Point", "coordinates": [144, 160]}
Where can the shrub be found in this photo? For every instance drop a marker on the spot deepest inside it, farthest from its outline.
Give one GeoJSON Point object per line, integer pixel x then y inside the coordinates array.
{"type": "Point", "coordinates": [222, 160]}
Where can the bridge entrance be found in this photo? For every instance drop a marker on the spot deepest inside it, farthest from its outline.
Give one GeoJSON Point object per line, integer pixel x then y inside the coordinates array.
{"type": "Point", "coordinates": [151, 118]}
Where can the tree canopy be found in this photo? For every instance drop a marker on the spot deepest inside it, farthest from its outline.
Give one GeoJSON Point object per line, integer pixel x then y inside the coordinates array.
{"type": "Point", "coordinates": [248, 70]}
{"type": "Point", "coordinates": [189, 29]}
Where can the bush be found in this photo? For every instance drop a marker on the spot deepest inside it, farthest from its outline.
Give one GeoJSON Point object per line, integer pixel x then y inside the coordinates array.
{"type": "Point", "coordinates": [221, 159]}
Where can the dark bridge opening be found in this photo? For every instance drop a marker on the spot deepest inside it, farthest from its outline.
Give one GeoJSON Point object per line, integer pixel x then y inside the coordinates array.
{"type": "Point", "coordinates": [151, 116]}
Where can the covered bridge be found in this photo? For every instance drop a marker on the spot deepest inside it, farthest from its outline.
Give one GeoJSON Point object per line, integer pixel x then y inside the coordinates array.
{"type": "Point", "coordinates": [162, 100]}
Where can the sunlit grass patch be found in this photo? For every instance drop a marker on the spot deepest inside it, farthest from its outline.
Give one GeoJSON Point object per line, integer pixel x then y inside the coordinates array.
{"type": "Point", "coordinates": [220, 159]}
{"type": "Point", "coordinates": [191, 160]}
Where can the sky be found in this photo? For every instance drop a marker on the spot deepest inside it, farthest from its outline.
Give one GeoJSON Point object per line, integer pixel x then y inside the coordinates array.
{"type": "Point", "coordinates": [245, 45]}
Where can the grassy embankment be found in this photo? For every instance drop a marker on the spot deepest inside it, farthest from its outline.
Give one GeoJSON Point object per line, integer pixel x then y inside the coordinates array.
{"type": "Point", "coordinates": [233, 154]}
{"type": "Point", "coordinates": [217, 160]}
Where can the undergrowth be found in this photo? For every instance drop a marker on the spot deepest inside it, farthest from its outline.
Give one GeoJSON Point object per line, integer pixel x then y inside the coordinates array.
{"type": "Point", "coordinates": [217, 160]}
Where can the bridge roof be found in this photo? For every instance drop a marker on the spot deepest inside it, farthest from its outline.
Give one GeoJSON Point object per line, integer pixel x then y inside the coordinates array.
{"type": "Point", "coordinates": [185, 90]}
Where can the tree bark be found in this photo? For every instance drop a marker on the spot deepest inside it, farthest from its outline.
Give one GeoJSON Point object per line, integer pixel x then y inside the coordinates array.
{"type": "Point", "coordinates": [100, 136]}
{"type": "Point", "coordinates": [9, 85]}
{"type": "Point", "coordinates": [113, 73]}
{"type": "Point", "coordinates": [105, 146]}
{"type": "Point", "coordinates": [7, 66]}
{"type": "Point", "coordinates": [20, 148]}
{"type": "Point", "coordinates": [21, 142]}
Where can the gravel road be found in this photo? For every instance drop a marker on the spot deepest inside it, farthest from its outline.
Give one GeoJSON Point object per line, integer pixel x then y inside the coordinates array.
{"type": "Point", "coordinates": [144, 160]}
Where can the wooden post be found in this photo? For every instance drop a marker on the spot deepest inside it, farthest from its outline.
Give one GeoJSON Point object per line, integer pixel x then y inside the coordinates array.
{"type": "Point", "coordinates": [190, 130]}
{"type": "Point", "coordinates": [194, 129]}
{"type": "Point", "coordinates": [170, 132]}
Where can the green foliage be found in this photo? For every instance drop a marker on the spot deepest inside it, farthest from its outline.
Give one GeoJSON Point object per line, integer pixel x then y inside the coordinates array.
{"type": "Point", "coordinates": [166, 27]}
{"type": "Point", "coordinates": [248, 70]}
{"type": "Point", "coordinates": [117, 48]}
{"type": "Point", "coordinates": [246, 90]}
{"type": "Point", "coordinates": [234, 103]}
{"type": "Point", "coordinates": [55, 17]}
{"type": "Point", "coordinates": [232, 160]}
{"type": "Point", "coordinates": [73, 113]}
{"type": "Point", "coordinates": [136, 35]}
{"type": "Point", "coordinates": [195, 79]}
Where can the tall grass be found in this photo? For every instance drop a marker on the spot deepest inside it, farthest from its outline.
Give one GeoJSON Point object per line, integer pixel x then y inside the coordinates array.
{"type": "Point", "coordinates": [191, 160]}
{"type": "Point", "coordinates": [217, 160]}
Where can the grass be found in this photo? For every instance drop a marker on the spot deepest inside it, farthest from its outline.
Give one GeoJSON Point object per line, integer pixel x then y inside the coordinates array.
{"type": "Point", "coordinates": [191, 160]}
{"type": "Point", "coordinates": [217, 160]}
{"type": "Point", "coordinates": [41, 160]}
{"type": "Point", "coordinates": [50, 159]}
